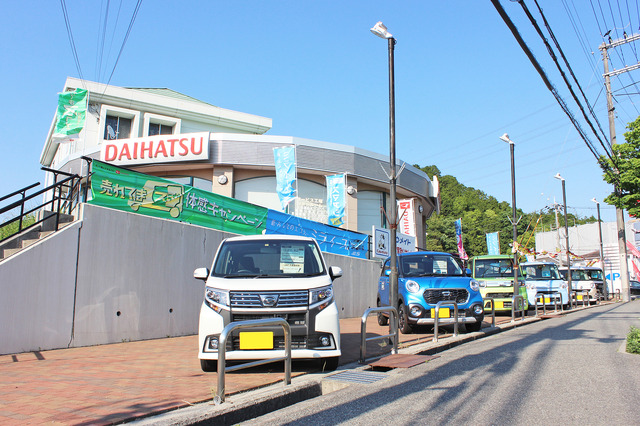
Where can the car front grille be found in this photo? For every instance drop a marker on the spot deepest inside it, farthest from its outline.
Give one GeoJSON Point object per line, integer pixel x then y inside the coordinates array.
{"type": "Point", "coordinates": [458, 295]}
{"type": "Point", "coordinates": [285, 299]}
{"type": "Point", "coordinates": [292, 319]}
{"type": "Point", "coordinates": [500, 295]}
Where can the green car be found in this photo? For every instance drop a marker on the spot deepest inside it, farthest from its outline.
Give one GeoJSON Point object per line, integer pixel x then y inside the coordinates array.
{"type": "Point", "coordinates": [494, 273]}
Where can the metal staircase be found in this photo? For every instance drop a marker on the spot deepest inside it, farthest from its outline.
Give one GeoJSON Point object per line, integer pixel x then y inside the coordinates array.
{"type": "Point", "coordinates": [34, 216]}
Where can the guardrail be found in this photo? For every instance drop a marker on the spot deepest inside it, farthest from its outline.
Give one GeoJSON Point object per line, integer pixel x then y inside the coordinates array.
{"type": "Point", "coordinates": [544, 305]}
{"type": "Point", "coordinates": [222, 349]}
{"type": "Point", "coordinates": [618, 295]}
{"type": "Point", "coordinates": [493, 309]}
{"type": "Point", "coordinates": [585, 297]}
{"type": "Point", "coordinates": [437, 317]}
{"type": "Point", "coordinates": [517, 305]}
{"type": "Point", "coordinates": [393, 326]}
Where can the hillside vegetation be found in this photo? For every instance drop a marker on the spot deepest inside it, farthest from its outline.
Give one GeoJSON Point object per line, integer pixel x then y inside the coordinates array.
{"type": "Point", "coordinates": [482, 214]}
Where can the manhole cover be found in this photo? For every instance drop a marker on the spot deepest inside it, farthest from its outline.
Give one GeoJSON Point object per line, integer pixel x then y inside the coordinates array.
{"type": "Point", "coordinates": [363, 377]}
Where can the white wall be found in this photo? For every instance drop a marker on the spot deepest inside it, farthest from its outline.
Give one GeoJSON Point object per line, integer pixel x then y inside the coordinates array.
{"type": "Point", "coordinates": [141, 267]}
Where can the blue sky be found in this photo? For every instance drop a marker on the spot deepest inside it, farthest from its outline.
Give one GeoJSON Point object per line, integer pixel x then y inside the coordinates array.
{"type": "Point", "coordinates": [319, 73]}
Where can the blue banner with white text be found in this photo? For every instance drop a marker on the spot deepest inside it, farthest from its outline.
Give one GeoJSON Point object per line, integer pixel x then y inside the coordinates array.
{"type": "Point", "coordinates": [330, 239]}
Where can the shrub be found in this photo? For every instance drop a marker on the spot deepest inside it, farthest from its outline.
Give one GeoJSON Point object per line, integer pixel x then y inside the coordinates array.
{"type": "Point", "coordinates": [633, 340]}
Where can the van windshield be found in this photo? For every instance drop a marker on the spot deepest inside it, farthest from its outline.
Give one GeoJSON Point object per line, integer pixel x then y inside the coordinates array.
{"type": "Point", "coordinates": [268, 259]}
{"type": "Point", "coordinates": [493, 268]}
{"type": "Point", "coordinates": [541, 272]}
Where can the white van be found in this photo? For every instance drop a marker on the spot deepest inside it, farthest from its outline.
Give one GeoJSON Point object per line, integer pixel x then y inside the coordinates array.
{"type": "Point", "coordinates": [270, 276]}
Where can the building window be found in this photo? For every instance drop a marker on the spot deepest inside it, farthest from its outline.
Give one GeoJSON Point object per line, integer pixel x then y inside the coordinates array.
{"type": "Point", "coordinates": [118, 123]}
{"type": "Point", "coordinates": [117, 128]}
{"type": "Point", "coordinates": [160, 129]}
{"type": "Point", "coordinates": [155, 124]}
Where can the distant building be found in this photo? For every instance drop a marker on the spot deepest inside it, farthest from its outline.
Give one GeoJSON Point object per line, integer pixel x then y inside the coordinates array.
{"type": "Point", "coordinates": [584, 243]}
{"type": "Point", "coordinates": [239, 161]}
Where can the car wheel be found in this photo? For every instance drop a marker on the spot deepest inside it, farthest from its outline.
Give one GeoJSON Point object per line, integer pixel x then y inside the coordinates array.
{"type": "Point", "coordinates": [403, 320]}
{"type": "Point", "coordinates": [473, 326]}
{"type": "Point", "coordinates": [329, 364]}
{"type": "Point", "coordinates": [382, 319]}
{"type": "Point", "coordinates": [209, 365]}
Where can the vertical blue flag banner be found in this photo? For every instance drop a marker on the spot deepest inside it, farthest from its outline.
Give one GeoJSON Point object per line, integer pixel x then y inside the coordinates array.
{"type": "Point", "coordinates": [335, 199]}
{"type": "Point", "coordinates": [461, 252]}
{"type": "Point", "coordinates": [285, 163]}
{"type": "Point", "coordinates": [493, 243]}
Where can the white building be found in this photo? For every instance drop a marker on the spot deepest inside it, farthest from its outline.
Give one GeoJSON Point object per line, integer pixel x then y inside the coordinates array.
{"type": "Point", "coordinates": [239, 162]}
{"type": "Point", "coordinates": [584, 243]}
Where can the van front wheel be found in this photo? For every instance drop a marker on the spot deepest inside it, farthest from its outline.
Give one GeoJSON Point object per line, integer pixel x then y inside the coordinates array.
{"type": "Point", "coordinates": [209, 365]}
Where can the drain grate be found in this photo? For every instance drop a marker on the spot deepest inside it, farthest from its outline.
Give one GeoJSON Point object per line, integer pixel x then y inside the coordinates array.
{"type": "Point", "coordinates": [363, 377]}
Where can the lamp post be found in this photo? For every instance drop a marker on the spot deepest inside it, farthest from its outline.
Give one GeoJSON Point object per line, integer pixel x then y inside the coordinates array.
{"type": "Point", "coordinates": [381, 31]}
{"type": "Point", "coordinates": [605, 289]}
{"type": "Point", "coordinates": [516, 286]}
{"type": "Point", "coordinates": [566, 230]}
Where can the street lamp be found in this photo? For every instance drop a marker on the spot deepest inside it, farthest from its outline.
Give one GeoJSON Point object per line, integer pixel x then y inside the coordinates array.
{"type": "Point", "coordinates": [381, 31]}
{"type": "Point", "coordinates": [516, 286]}
{"type": "Point", "coordinates": [566, 230]}
{"type": "Point", "coordinates": [605, 289]}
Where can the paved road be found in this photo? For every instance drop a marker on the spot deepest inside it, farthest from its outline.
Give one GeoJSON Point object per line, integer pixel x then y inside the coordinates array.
{"type": "Point", "coordinates": [568, 370]}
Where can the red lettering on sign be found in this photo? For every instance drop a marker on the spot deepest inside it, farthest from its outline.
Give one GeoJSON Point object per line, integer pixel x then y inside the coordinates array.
{"type": "Point", "coordinates": [161, 149]}
{"type": "Point", "coordinates": [110, 152]}
{"type": "Point", "coordinates": [135, 150]}
{"type": "Point", "coordinates": [173, 144]}
{"type": "Point", "coordinates": [149, 150]}
{"type": "Point", "coordinates": [185, 148]}
{"type": "Point", "coordinates": [193, 149]}
{"type": "Point", "coordinates": [124, 152]}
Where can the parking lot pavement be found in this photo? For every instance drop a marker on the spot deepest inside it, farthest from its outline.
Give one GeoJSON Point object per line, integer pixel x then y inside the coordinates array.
{"type": "Point", "coordinates": [110, 384]}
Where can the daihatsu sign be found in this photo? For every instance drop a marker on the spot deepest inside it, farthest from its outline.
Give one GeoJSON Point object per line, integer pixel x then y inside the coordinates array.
{"type": "Point", "coordinates": [156, 149]}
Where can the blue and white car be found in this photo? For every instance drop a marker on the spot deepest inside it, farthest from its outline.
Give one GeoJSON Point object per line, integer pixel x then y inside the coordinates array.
{"type": "Point", "coordinates": [544, 279]}
{"type": "Point", "coordinates": [424, 279]}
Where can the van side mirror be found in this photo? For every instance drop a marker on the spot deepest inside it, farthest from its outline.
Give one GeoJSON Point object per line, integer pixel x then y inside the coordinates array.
{"type": "Point", "coordinates": [468, 272]}
{"type": "Point", "coordinates": [201, 274]}
{"type": "Point", "coordinates": [335, 272]}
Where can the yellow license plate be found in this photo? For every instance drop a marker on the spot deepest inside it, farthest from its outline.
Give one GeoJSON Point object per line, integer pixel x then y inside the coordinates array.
{"type": "Point", "coordinates": [579, 297]}
{"type": "Point", "coordinates": [442, 313]}
{"type": "Point", "coordinates": [547, 300]}
{"type": "Point", "coordinates": [256, 340]}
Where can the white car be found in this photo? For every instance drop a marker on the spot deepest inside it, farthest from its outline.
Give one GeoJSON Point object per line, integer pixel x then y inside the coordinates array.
{"type": "Point", "coordinates": [581, 281]}
{"type": "Point", "coordinates": [269, 276]}
{"type": "Point", "coordinates": [544, 282]}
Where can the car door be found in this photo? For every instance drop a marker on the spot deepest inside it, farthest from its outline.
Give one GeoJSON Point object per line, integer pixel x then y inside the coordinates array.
{"type": "Point", "coordinates": [383, 283]}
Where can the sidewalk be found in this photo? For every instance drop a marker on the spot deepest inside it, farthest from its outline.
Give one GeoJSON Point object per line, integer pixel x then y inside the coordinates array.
{"type": "Point", "coordinates": [110, 384]}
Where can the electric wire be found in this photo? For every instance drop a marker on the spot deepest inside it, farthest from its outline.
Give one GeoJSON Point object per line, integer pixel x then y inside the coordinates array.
{"type": "Point", "coordinates": [72, 43]}
{"type": "Point", "coordinates": [566, 62]}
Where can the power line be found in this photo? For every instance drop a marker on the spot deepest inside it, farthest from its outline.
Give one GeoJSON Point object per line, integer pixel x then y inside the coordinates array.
{"type": "Point", "coordinates": [72, 43]}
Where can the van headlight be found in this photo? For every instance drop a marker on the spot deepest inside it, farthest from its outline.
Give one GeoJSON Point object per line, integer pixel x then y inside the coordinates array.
{"type": "Point", "coordinates": [564, 284]}
{"type": "Point", "coordinates": [474, 285]}
{"type": "Point", "coordinates": [216, 299]}
{"type": "Point", "coordinates": [322, 296]}
{"type": "Point", "coordinates": [412, 286]}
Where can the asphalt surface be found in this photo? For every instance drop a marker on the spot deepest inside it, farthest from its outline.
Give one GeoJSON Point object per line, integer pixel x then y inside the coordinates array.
{"type": "Point", "coordinates": [569, 370]}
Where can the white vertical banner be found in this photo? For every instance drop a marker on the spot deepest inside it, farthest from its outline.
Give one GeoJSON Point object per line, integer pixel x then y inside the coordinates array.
{"type": "Point", "coordinates": [407, 223]}
{"type": "Point", "coordinates": [381, 242]}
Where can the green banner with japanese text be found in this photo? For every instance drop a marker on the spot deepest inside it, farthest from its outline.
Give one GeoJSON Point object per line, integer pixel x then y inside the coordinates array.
{"type": "Point", "coordinates": [126, 190]}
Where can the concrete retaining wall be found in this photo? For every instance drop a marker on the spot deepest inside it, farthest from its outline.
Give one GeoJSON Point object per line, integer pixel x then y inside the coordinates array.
{"type": "Point", "coordinates": [115, 276]}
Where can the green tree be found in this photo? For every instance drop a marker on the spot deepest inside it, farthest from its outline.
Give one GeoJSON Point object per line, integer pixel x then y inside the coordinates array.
{"type": "Point", "coordinates": [624, 174]}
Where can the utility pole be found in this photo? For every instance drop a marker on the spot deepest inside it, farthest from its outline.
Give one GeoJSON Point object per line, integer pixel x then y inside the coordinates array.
{"type": "Point", "coordinates": [622, 246]}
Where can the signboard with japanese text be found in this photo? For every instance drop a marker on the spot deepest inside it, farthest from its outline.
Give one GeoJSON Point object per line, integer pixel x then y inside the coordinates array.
{"type": "Point", "coordinates": [130, 191]}
{"type": "Point", "coordinates": [329, 238]}
{"type": "Point", "coordinates": [407, 223]}
{"type": "Point", "coordinates": [156, 149]}
{"type": "Point", "coordinates": [381, 242]}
